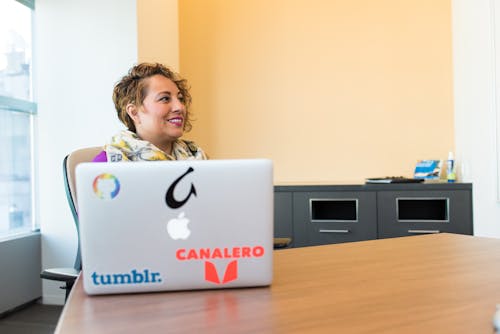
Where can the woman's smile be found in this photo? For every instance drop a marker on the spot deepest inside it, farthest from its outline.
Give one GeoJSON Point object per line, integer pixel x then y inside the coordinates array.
{"type": "Point", "coordinates": [177, 121]}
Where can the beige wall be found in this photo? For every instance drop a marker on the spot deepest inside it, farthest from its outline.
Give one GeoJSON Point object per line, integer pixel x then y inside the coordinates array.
{"type": "Point", "coordinates": [158, 32]}
{"type": "Point", "coordinates": [332, 91]}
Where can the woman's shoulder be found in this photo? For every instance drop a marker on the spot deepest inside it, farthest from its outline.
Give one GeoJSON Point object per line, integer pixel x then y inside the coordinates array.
{"type": "Point", "coordinates": [194, 149]}
{"type": "Point", "coordinates": [101, 157]}
{"type": "Point", "coordinates": [190, 145]}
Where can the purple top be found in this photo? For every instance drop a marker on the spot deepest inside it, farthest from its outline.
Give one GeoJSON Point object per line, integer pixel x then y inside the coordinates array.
{"type": "Point", "coordinates": [101, 157]}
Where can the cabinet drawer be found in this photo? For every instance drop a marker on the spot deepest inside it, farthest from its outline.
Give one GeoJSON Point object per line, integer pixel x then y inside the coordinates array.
{"type": "Point", "coordinates": [402, 213]}
{"type": "Point", "coordinates": [333, 217]}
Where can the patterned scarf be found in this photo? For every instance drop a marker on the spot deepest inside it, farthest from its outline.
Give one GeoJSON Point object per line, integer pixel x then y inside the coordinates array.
{"type": "Point", "coordinates": [127, 146]}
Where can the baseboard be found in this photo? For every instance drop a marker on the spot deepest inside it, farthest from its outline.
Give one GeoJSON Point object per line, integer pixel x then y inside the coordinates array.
{"type": "Point", "coordinates": [52, 300]}
{"type": "Point", "coordinates": [18, 308]}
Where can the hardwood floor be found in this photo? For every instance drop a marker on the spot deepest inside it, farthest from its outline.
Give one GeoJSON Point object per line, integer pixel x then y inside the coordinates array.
{"type": "Point", "coordinates": [34, 318]}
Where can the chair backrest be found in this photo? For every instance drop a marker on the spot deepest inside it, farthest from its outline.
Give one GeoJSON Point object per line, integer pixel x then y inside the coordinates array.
{"type": "Point", "coordinates": [86, 154]}
{"type": "Point", "coordinates": [69, 164]}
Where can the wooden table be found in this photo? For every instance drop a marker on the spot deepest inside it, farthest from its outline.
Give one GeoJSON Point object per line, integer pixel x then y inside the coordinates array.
{"type": "Point", "coordinates": [441, 283]}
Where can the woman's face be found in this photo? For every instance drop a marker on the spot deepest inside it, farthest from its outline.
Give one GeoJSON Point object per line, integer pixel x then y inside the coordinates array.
{"type": "Point", "coordinates": [160, 119]}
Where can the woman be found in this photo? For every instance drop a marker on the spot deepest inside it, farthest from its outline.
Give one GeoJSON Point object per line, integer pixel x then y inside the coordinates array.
{"type": "Point", "coordinates": [153, 102]}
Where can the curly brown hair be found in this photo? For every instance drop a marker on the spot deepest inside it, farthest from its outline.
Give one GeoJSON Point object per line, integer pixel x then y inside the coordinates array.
{"type": "Point", "coordinates": [132, 88]}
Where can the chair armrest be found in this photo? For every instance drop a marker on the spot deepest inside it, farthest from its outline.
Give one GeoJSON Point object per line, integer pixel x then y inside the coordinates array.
{"type": "Point", "coordinates": [60, 274]}
{"type": "Point", "coordinates": [281, 242]}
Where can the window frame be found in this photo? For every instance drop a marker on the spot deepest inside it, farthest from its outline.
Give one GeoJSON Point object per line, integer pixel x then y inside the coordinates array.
{"type": "Point", "coordinates": [11, 104]}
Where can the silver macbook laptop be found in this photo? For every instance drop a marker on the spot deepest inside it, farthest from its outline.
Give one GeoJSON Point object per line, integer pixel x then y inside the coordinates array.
{"type": "Point", "coordinates": [177, 225]}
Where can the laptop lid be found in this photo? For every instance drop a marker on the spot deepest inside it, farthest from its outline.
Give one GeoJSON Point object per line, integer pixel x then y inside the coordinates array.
{"type": "Point", "coordinates": [175, 225]}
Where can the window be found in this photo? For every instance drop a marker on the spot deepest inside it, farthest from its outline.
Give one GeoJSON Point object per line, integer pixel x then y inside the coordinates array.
{"type": "Point", "coordinates": [17, 112]}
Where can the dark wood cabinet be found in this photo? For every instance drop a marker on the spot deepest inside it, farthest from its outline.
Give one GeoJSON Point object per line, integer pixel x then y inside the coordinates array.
{"type": "Point", "coordinates": [315, 215]}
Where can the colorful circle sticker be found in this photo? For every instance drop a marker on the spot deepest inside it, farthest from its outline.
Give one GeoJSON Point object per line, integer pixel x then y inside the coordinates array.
{"type": "Point", "coordinates": [106, 186]}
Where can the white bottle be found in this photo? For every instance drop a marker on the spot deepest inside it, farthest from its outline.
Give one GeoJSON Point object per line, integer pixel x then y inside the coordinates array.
{"type": "Point", "coordinates": [450, 170]}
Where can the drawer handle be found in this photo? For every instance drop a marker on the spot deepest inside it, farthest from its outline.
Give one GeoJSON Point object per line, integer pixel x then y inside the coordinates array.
{"type": "Point", "coordinates": [423, 231]}
{"type": "Point", "coordinates": [334, 231]}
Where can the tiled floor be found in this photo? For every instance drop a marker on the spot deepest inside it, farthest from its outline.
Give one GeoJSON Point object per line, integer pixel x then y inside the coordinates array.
{"type": "Point", "coordinates": [35, 318]}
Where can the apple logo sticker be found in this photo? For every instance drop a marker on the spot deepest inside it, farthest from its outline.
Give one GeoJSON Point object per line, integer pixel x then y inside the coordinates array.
{"type": "Point", "coordinates": [177, 227]}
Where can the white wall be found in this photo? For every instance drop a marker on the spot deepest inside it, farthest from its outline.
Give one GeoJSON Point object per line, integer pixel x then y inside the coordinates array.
{"type": "Point", "coordinates": [82, 48]}
{"type": "Point", "coordinates": [475, 114]}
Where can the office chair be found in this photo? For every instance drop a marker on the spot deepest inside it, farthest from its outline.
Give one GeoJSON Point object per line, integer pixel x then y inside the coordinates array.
{"type": "Point", "coordinates": [69, 275]}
